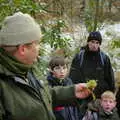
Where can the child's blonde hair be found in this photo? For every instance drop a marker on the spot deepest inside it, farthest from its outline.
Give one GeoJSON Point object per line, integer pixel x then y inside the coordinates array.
{"type": "Point", "coordinates": [108, 94]}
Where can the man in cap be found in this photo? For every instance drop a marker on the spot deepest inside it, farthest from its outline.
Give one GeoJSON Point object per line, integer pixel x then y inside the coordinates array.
{"type": "Point", "coordinates": [23, 96]}
{"type": "Point", "coordinates": [92, 63]}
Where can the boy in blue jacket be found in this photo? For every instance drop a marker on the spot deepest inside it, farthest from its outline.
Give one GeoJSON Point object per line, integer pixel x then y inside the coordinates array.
{"type": "Point", "coordinates": [58, 70]}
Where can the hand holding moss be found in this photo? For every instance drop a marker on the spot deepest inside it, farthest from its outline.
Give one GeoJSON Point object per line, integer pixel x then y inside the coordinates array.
{"type": "Point", "coordinates": [81, 90]}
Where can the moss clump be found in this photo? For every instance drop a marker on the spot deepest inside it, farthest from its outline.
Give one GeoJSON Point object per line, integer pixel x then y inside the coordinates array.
{"type": "Point", "coordinates": [91, 84]}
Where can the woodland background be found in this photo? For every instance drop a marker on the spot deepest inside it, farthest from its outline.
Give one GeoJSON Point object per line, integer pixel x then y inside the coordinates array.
{"type": "Point", "coordinates": [65, 25]}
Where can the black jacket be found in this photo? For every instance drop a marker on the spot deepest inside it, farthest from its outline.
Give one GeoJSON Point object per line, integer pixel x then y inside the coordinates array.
{"type": "Point", "coordinates": [118, 100]}
{"type": "Point", "coordinates": [92, 68]}
{"type": "Point", "coordinates": [63, 112]}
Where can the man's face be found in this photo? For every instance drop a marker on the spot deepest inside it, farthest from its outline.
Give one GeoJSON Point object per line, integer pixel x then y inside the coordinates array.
{"type": "Point", "coordinates": [108, 104]}
{"type": "Point", "coordinates": [30, 52]}
{"type": "Point", "coordinates": [93, 45]}
{"type": "Point", "coordinates": [60, 71]}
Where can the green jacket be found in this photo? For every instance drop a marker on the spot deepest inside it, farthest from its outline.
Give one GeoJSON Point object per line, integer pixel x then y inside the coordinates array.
{"type": "Point", "coordinates": [26, 98]}
{"type": "Point", "coordinates": [21, 100]}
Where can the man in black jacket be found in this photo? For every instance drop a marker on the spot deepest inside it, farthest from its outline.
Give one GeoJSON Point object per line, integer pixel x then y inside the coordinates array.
{"type": "Point", "coordinates": [92, 63]}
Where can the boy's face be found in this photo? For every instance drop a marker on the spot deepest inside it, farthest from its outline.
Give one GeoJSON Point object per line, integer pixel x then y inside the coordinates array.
{"type": "Point", "coordinates": [60, 71]}
{"type": "Point", "coordinates": [108, 104]}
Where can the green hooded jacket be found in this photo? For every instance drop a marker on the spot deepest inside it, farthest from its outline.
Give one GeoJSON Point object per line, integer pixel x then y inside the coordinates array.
{"type": "Point", "coordinates": [23, 96]}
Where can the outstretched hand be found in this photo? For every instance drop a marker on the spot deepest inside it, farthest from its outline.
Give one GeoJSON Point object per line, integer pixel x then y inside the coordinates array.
{"type": "Point", "coordinates": [81, 91]}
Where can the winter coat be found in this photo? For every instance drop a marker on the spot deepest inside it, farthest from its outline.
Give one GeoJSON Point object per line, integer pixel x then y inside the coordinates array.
{"type": "Point", "coordinates": [92, 68]}
{"type": "Point", "coordinates": [96, 108]}
{"type": "Point", "coordinates": [23, 96]}
{"type": "Point", "coordinates": [63, 112]}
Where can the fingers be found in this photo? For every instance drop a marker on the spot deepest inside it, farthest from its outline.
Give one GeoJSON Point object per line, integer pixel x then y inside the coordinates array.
{"type": "Point", "coordinates": [81, 86]}
{"type": "Point", "coordinates": [81, 90]}
{"type": "Point", "coordinates": [83, 94]}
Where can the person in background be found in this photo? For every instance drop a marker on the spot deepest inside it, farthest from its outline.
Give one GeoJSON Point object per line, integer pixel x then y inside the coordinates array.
{"type": "Point", "coordinates": [92, 63]}
{"type": "Point", "coordinates": [103, 108]}
{"type": "Point", "coordinates": [23, 95]}
{"type": "Point", "coordinates": [57, 76]}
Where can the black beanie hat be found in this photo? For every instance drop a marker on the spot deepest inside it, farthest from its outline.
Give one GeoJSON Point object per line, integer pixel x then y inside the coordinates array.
{"type": "Point", "coordinates": [95, 36]}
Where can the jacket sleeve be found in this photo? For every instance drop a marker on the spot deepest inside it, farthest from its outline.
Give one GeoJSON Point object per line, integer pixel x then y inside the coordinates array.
{"type": "Point", "coordinates": [63, 95]}
{"type": "Point", "coordinates": [74, 73]}
{"type": "Point", "coordinates": [109, 74]}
